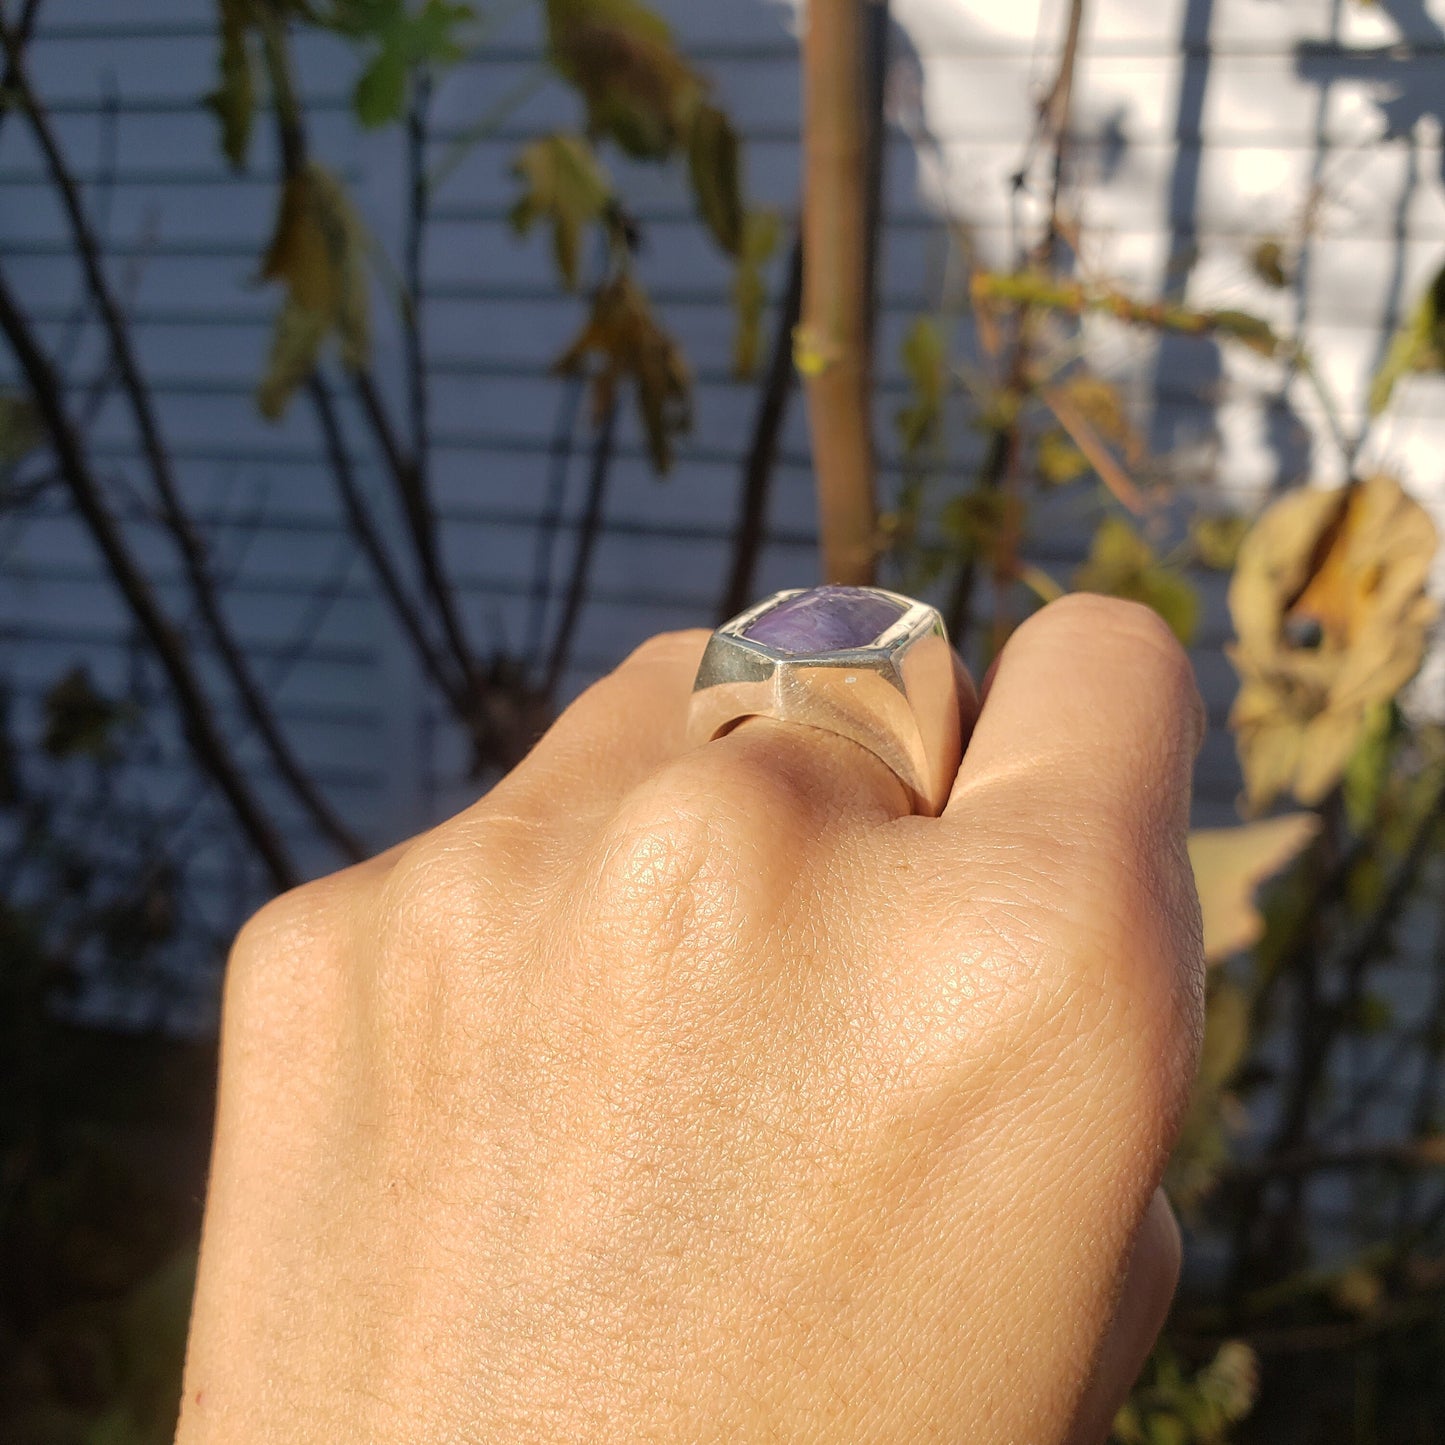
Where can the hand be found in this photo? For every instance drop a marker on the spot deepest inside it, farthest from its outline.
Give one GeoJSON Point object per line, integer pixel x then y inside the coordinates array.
{"type": "Point", "coordinates": [706, 1095]}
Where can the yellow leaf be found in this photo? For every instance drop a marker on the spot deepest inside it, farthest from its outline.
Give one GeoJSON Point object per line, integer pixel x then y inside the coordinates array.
{"type": "Point", "coordinates": [1419, 345]}
{"type": "Point", "coordinates": [564, 184]}
{"type": "Point", "coordinates": [761, 233]}
{"type": "Point", "coordinates": [1122, 564]}
{"type": "Point", "coordinates": [1229, 866]}
{"type": "Point", "coordinates": [715, 166]}
{"type": "Point", "coordinates": [296, 340]}
{"type": "Point", "coordinates": [318, 252]}
{"type": "Point", "coordinates": [623, 337]}
{"type": "Point", "coordinates": [1217, 538]}
{"type": "Point", "coordinates": [1331, 618]}
{"type": "Point", "coordinates": [925, 360]}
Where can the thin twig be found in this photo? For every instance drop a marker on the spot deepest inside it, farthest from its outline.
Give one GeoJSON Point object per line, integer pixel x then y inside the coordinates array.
{"type": "Point", "coordinates": [368, 535]}
{"type": "Point", "coordinates": [763, 449]}
{"type": "Point", "coordinates": [202, 729]}
{"type": "Point", "coordinates": [1001, 460]}
{"type": "Point", "coordinates": [417, 507]}
{"type": "Point", "coordinates": [588, 531]}
{"type": "Point", "coordinates": [153, 447]}
{"type": "Point", "coordinates": [559, 458]}
{"type": "Point", "coordinates": [293, 149]}
{"type": "Point", "coordinates": [21, 34]}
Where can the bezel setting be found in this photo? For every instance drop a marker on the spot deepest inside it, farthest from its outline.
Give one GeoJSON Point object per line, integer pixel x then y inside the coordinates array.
{"type": "Point", "coordinates": [896, 696]}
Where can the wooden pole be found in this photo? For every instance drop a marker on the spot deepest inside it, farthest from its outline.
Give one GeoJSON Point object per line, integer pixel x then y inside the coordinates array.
{"type": "Point", "coordinates": [830, 345]}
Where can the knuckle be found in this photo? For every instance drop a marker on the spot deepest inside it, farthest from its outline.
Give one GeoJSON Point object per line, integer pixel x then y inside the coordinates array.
{"type": "Point", "coordinates": [680, 886]}
{"type": "Point", "coordinates": [448, 890]}
{"type": "Point", "coordinates": [666, 870]}
{"type": "Point", "coordinates": [283, 949]}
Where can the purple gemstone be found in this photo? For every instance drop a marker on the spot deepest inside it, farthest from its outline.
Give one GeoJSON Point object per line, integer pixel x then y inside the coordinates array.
{"type": "Point", "coordinates": [826, 619]}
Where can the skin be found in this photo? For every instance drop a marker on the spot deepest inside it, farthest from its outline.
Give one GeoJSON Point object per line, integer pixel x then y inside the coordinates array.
{"type": "Point", "coordinates": [707, 1095]}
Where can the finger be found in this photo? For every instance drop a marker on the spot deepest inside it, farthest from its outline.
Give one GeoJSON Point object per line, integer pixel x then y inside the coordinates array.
{"type": "Point", "coordinates": [815, 773]}
{"type": "Point", "coordinates": [1092, 706]}
{"type": "Point", "coordinates": [1144, 1301]}
{"type": "Point", "coordinates": [1073, 804]}
{"type": "Point", "coordinates": [620, 730]}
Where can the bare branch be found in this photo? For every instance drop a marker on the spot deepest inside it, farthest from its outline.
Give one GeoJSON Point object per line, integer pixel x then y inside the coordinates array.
{"type": "Point", "coordinates": [763, 450]}
{"type": "Point", "coordinates": [202, 729]}
{"type": "Point", "coordinates": [369, 537]}
{"type": "Point", "coordinates": [173, 510]}
{"type": "Point", "coordinates": [587, 534]}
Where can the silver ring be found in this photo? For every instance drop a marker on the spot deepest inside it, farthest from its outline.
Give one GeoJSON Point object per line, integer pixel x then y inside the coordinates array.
{"type": "Point", "coordinates": [870, 665]}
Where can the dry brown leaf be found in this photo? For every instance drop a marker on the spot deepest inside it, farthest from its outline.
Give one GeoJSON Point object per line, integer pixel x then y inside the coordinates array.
{"type": "Point", "coordinates": [621, 341]}
{"type": "Point", "coordinates": [1331, 616]}
{"type": "Point", "coordinates": [1230, 864]}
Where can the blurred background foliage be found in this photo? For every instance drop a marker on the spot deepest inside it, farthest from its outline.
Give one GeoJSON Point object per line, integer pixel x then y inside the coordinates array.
{"type": "Point", "coordinates": [1288, 1327]}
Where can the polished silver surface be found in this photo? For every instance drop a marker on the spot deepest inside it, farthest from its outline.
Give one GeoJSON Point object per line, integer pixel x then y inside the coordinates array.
{"type": "Point", "coordinates": [897, 696]}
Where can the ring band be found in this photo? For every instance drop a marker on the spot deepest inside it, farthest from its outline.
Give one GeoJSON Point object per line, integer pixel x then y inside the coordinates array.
{"type": "Point", "coordinates": [869, 665]}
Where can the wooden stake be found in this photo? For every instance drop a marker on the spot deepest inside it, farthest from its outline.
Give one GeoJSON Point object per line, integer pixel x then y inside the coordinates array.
{"type": "Point", "coordinates": [830, 345]}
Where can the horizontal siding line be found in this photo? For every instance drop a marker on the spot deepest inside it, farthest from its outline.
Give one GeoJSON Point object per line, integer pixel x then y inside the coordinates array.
{"type": "Point", "coordinates": [706, 379]}
{"type": "Point", "coordinates": [462, 213]}
{"type": "Point", "coordinates": [301, 714]}
{"type": "Point", "coordinates": [891, 385]}
{"type": "Point", "coordinates": [1044, 550]}
{"type": "Point", "coordinates": [684, 216]}
{"type": "Point", "coordinates": [124, 177]}
{"type": "Point", "coordinates": [784, 48]}
{"type": "Point", "coordinates": [66, 635]}
{"type": "Point", "coordinates": [1285, 138]}
{"type": "Point", "coordinates": [471, 516]}
{"type": "Point", "coordinates": [896, 302]}
{"type": "Point", "coordinates": [23, 573]}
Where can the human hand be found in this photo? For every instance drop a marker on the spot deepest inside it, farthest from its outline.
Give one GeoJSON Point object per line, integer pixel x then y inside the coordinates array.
{"type": "Point", "coordinates": [706, 1095]}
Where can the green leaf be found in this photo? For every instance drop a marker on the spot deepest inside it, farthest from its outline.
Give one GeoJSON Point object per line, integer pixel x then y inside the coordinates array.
{"type": "Point", "coordinates": [974, 521]}
{"type": "Point", "coordinates": [564, 184]}
{"type": "Point", "coordinates": [1249, 330]}
{"type": "Point", "coordinates": [1419, 345]}
{"type": "Point", "coordinates": [1122, 564]}
{"type": "Point", "coordinates": [380, 94]}
{"type": "Point", "coordinates": [318, 252]}
{"type": "Point", "coordinates": [79, 721]}
{"type": "Point", "coordinates": [623, 336]}
{"type": "Point", "coordinates": [399, 40]}
{"type": "Point", "coordinates": [715, 166]}
{"type": "Point", "coordinates": [21, 430]}
{"type": "Point", "coordinates": [233, 101]}
{"type": "Point", "coordinates": [1368, 771]}
{"type": "Point", "coordinates": [1217, 538]}
{"type": "Point", "coordinates": [1059, 460]}
{"type": "Point", "coordinates": [1267, 261]}
{"type": "Point", "coordinates": [762, 230]}
{"type": "Point", "coordinates": [925, 362]}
